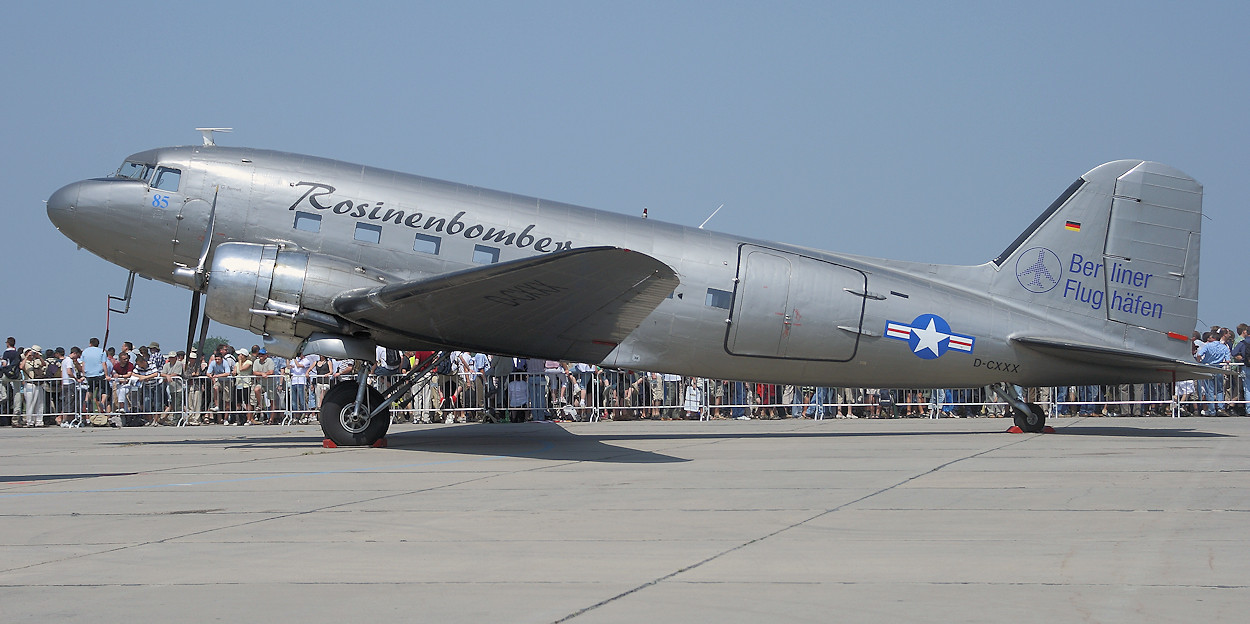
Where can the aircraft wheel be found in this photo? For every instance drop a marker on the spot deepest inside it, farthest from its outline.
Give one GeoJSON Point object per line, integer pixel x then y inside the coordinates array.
{"type": "Point", "coordinates": [1031, 422]}
{"type": "Point", "coordinates": [343, 425]}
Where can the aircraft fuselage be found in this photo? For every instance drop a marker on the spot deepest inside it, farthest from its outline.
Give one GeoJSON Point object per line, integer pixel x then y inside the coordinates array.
{"type": "Point", "coordinates": [745, 308]}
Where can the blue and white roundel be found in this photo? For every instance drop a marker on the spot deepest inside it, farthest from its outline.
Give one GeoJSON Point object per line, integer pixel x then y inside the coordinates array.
{"type": "Point", "coordinates": [929, 336]}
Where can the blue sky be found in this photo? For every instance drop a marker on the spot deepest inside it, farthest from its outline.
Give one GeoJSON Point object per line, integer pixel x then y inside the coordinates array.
{"type": "Point", "coordinates": [922, 131]}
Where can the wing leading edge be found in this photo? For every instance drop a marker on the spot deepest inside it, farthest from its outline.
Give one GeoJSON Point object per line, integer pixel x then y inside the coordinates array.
{"type": "Point", "coordinates": [572, 305]}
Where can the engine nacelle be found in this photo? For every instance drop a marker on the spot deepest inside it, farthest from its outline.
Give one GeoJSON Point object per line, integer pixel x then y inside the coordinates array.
{"type": "Point", "coordinates": [282, 293]}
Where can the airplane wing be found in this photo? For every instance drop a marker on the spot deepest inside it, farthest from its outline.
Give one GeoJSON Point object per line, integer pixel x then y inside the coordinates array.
{"type": "Point", "coordinates": [1107, 356]}
{"type": "Point", "coordinates": [572, 305]}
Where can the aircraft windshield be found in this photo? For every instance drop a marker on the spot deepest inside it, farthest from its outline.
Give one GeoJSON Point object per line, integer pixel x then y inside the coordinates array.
{"type": "Point", "coordinates": [134, 170]}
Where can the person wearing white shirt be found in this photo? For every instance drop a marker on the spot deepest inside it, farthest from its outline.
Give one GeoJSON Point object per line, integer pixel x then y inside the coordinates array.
{"type": "Point", "coordinates": [299, 381]}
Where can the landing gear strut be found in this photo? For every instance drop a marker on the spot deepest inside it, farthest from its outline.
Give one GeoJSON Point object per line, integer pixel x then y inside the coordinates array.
{"type": "Point", "coordinates": [1029, 417]}
{"type": "Point", "coordinates": [353, 413]}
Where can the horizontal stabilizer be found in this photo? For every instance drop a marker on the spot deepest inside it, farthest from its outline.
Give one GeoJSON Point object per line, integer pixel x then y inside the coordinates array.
{"type": "Point", "coordinates": [572, 305]}
{"type": "Point", "coordinates": [1108, 356]}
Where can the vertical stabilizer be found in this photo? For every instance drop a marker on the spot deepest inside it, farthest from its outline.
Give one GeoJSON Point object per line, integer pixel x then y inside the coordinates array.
{"type": "Point", "coordinates": [1119, 246]}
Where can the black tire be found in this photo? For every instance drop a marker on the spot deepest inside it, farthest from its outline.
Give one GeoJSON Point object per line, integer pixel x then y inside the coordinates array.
{"type": "Point", "coordinates": [336, 416]}
{"type": "Point", "coordinates": [1031, 422]}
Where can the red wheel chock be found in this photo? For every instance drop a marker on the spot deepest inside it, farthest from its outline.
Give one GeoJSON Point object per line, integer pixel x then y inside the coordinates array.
{"type": "Point", "coordinates": [328, 443]}
{"type": "Point", "coordinates": [1015, 429]}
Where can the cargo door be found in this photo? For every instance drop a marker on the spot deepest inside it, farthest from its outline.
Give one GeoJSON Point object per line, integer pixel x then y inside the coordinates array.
{"type": "Point", "coordinates": [795, 307]}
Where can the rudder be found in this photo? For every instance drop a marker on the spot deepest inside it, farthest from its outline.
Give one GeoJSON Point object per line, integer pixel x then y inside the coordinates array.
{"type": "Point", "coordinates": [1151, 255]}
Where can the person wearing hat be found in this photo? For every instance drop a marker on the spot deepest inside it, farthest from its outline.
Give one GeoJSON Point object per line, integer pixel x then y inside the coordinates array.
{"type": "Point", "coordinates": [34, 368]}
{"type": "Point", "coordinates": [263, 390]}
{"type": "Point", "coordinates": [243, 382]}
{"type": "Point", "coordinates": [172, 373]}
{"type": "Point", "coordinates": [219, 372]}
{"type": "Point", "coordinates": [193, 372]}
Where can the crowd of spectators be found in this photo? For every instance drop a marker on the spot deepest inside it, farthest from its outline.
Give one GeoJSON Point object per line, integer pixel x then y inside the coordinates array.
{"type": "Point", "coordinates": [243, 387]}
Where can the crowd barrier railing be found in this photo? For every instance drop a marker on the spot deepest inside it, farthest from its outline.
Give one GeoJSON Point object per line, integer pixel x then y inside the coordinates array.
{"type": "Point", "coordinates": [601, 394]}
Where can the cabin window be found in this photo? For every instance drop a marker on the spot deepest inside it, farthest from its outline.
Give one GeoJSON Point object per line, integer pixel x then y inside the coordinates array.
{"type": "Point", "coordinates": [369, 233]}
{"type": "Point", "coordinates": [167, 179]}
{"type": "Point", "coordinates": [718, 298]}
{"type": "Point", "coordinates": [483, 254]}
{"type": "Point", "coordinates": [134, 171]}
{"type": "Point", "coordinates": [427, 244]}
{"type": "Point", "coordinates": [307, 221]}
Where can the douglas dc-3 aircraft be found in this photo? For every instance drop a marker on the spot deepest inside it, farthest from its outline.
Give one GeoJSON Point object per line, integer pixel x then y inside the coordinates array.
{"type": "Point", "coordinates": [337, 258]}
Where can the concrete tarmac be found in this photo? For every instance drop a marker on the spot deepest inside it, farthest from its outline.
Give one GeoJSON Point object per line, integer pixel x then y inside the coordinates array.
{"type": "Point", "coordinates": [1109, 520]}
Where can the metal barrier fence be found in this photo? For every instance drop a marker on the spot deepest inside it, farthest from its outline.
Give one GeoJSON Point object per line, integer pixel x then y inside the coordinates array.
{"type": "Point", "coordinates": [585, 396]}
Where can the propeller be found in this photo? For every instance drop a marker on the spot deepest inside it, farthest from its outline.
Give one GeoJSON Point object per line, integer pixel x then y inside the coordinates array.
{"type": "Point", "coordinates": [198, 278]}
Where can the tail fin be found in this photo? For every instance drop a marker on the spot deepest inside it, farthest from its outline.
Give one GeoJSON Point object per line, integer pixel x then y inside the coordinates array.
{"type": "Point", "coordinates": [1121, 245]}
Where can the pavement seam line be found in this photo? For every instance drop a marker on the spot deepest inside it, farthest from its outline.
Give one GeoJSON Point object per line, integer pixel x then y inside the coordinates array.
{"type": "Point", "coordinates": [743, 545]}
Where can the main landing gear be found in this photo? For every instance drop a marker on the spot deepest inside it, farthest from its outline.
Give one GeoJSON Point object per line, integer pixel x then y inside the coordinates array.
{"type": "Point", "coordinates": [353, 413]}
{"type": "Point", "coordinates": [1029, 417]}
{"type": "Point", "coordinates": [348, 423]}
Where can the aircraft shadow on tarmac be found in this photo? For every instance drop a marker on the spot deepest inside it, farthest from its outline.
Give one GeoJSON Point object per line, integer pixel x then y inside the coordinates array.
{"type": "Point", "coordinates": [554, 442]}
{"type": "Point", "coordinates": [1139, 432]}
{"type": "Point", "coordinates": [520, 440]}
{"type": "Point", "coordinates": [524, 440]}
{"type": "Point", "coordinates": [557, 443]}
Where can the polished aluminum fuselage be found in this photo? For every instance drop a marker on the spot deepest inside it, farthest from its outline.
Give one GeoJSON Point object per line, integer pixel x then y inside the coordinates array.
{"type": "Point", "coordinates": [745, 309]}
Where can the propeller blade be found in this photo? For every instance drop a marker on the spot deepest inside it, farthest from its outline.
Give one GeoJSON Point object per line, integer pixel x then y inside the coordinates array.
{"type": "Point", "coordinates": [203, 333]}
{"type": "Point", "coordinates": [200, 276]}
{"type": "Point", "coordinates": [197, 278]}
{"type": "Point", "coordinates": [208, 234]}
{"type": "Point", "coordinates": [199, 270]}
{"type": "Point", "coordinates": [195, 312]}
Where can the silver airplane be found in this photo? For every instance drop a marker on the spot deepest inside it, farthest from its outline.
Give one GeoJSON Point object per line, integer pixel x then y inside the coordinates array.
{"type": "Point", "coordinates": [336, 258]}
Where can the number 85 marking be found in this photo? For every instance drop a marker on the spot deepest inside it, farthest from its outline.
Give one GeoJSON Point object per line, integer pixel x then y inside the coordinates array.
{"type": "Point", "coordinates": [160, 201]}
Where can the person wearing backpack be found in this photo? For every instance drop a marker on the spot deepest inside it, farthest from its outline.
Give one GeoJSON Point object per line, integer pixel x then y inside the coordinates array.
{"type": "Point", "coordinates": [11, 379]}
{"type": "Point", "coordinates": [389, 362]}
{"type": "Point", "coordinates": [33, 369]}
{"type": "Point", "coordinates": [449, 386]}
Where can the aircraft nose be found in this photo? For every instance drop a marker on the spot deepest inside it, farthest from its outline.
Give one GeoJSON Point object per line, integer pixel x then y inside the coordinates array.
{"type": "Point", "coordinates": [63, 203]}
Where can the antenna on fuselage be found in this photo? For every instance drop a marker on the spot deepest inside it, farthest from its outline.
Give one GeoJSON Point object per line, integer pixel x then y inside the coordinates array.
{"type": "Point", "coordinates": [709, 217]}
{"type": "Point", "coordinates": [207, 133]}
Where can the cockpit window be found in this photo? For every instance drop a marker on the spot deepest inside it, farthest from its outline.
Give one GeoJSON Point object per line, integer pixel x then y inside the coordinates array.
{"type": "Point", "coordinates": [167, 179]}
{"type": "Point", "coordinates": [134, 171]}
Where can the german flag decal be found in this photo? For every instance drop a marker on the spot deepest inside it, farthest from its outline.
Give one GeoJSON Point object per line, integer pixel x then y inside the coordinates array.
{"type": "Point", "coordinates": [1073, 226]}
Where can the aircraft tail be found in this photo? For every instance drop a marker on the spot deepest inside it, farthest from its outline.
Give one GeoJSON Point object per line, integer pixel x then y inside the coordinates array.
{"type": "Point", "coordinates": [1119, 247]}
